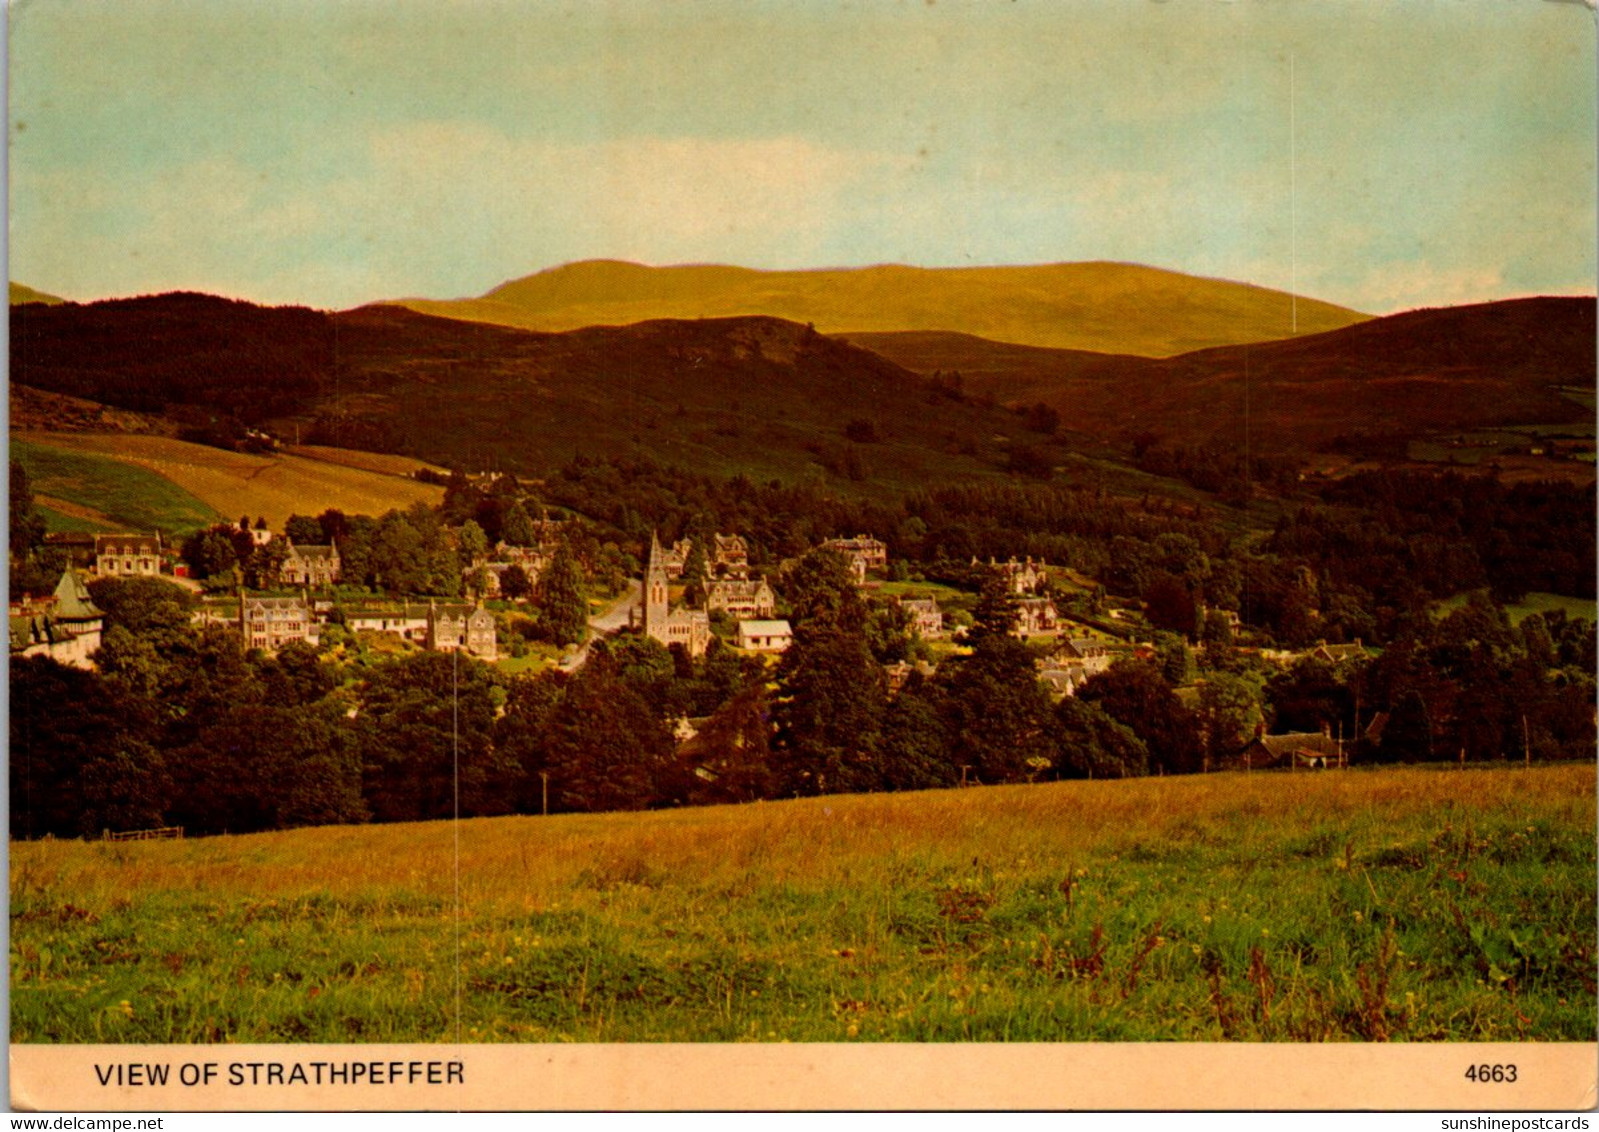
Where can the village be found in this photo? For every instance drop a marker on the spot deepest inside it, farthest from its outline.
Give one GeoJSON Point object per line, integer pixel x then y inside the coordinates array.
{"type": "Point", "coordinates": [689, 596]}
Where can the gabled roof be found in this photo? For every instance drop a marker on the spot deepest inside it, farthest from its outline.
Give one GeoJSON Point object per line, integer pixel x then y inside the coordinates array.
{"type": "Point", "coordinates": [765, 628]}
{"type": "Point", "coordinates": [276, 603]}
{"type": "Point", "coordinates": [313, 551]}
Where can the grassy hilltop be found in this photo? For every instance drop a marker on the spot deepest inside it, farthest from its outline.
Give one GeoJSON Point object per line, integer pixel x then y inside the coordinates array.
{"type": "Point", "coordinates": [1115, 307]}
{"type": "Point", "coordinates": [1414, 904]}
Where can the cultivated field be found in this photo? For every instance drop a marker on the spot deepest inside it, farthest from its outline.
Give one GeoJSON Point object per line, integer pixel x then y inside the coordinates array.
{"type": "Point", "coordinates": [1406, 904]}
{"type": "Point", "coordinates": [234, 483]}
{"type": "Point", "coordinates": [81, 490]}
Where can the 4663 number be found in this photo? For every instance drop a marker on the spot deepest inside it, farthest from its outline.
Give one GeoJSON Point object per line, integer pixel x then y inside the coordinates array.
{"type": "Point", "coordinates": [1491, 1074]}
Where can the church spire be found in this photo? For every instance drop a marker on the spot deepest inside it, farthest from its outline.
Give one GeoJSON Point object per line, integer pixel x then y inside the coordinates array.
{"type": "Point", "coordinates": [655, 595]}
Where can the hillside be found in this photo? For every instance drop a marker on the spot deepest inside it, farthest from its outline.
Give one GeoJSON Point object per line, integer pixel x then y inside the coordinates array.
{"type": "Point", "coordinates": [754, 395]}
{"type": "Point", "coordinates": [78, 489]}
{"type": "Point", "coordinates": [213, 482]}
{"type": "Point", "coordinates": [21, 293]}
{"type": "Point", "coordinates": [152, 352]}
{"type": "Point", "coordinates": [1405, 375]}
{"type": "Point", "coordinates": [1112, 307]}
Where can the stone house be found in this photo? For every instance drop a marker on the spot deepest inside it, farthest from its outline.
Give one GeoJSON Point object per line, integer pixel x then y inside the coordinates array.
{"type": "Point", "coordinates": [738, 597]}
{"type": "Point", "coordinates": [729, 557]}
{"type": "Point", "coordinates": [1338, 654]}
{"type": "Point", "coordinates": [1025, 577]}
{"type": "Point", "coordinates": [1093, 656]}
{"type": "Point", "coordinates": [269, 623]}
{"type": "Point", "coordinates": [122, 556]}
{"type": "Point", "coordinates": [310, 566]}
{"type": "Point", "coordinates": [1063, 678]}
{"type": "Point", "coordinates": [863, 553]}
{"type": "Point", "coordinates": [927, 620]}
{"type": "Point", "coordinates": [466, 628]}
{"type": "Point", "coordinates": [675, 558]}
{"type": "Point", "coordinates": [1036, 615]}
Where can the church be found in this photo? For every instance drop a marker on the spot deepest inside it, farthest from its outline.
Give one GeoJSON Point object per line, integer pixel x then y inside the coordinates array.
{"type": "Point", "coordinates": [690, 628]}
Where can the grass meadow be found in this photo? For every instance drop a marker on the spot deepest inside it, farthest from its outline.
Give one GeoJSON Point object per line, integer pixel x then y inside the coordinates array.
{"type": "Point", "coordinates": [1414, 904]}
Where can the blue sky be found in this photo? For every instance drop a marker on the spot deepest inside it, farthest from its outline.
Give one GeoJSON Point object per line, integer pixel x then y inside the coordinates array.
{"type": "Point", "coordinates": [334, 153]}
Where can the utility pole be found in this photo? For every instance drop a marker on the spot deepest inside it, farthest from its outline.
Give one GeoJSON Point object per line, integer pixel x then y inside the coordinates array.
{"type": "Point", "coordinates": [544, 790]}
{"type": "Point", "coordinates": [1526, 742]}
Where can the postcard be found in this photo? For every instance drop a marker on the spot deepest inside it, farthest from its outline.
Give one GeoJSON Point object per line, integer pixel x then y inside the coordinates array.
{"type": "Point", "coordinates": [933, 555]}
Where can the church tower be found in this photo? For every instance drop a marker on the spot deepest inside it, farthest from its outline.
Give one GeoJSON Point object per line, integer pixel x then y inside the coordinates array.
{"type": "Point", "coordinates": [655, 602]}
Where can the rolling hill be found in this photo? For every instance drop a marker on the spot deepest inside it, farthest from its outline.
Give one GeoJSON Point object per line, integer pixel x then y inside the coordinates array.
{"type": "Point", "coordinates": [772, 399]}
{"type": "Point", "coordinates": [1406, 375]}
{"type": "Point", "coordinates": [1113, 307]}
{"type": "Point", "coordinates": [756, 395]}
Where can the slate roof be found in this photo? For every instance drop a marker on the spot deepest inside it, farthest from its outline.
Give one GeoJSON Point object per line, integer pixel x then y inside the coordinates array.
{"type": "Point", "coordinates": [73, 602]}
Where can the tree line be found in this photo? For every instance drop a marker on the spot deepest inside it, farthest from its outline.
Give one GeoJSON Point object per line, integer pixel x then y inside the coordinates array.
{"type": "Point", "coordinates": [179, 726]}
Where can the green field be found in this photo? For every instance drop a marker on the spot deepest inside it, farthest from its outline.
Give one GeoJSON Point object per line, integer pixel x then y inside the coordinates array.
{"type": "Point", "coordinates": [1406, 904]}
{"type": "Point", "coordinates": [1573, 607]}
{"type": "Point", "coordinates": [113, 495]}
